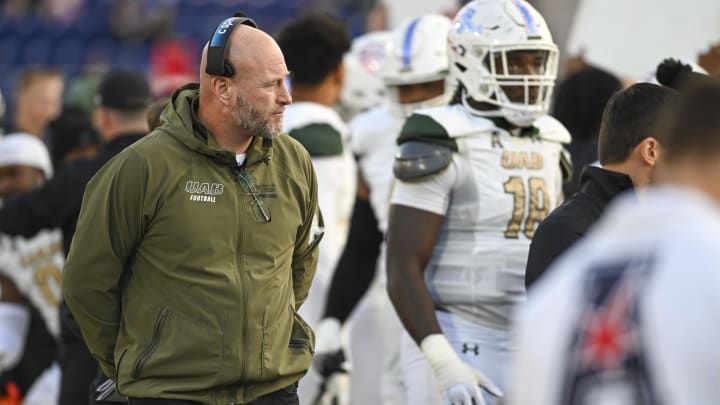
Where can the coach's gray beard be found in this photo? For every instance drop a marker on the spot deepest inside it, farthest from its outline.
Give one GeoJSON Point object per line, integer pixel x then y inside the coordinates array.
{"type": "Point", "coordinates": [251, 120]}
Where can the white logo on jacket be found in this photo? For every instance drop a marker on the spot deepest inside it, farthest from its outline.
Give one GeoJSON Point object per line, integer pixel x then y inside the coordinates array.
{"type": "Point", "coordinates": [204, 192]}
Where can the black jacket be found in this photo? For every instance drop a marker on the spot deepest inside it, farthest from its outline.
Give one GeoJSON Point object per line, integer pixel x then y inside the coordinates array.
{"type": "Point", "coordinates": [583, 152]}
{"type": "Point", "coordinates": [57, 205]}
{"type": "Point", "coordinates": [570, 221]}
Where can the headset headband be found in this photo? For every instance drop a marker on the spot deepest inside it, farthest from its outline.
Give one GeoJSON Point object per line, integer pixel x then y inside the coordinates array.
{"type": "Point", "coordinates": [216, 63]}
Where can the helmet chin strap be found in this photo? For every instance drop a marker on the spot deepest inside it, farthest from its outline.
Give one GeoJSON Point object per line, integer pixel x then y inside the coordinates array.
{"type": "Point", "coordinates": [515, 116]}
{"type": "Point", "coordinates": [521, 118]}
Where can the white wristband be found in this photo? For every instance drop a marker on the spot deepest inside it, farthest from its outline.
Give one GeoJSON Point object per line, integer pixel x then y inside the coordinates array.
{"type": "Point", "coordinates": [437, 350]}
{"type": "Point", "coordinates": [450, 369]}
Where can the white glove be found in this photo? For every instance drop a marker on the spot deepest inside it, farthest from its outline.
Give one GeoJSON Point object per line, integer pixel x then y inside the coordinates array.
{"type": "Point", "coordinates": [459, 382]}
{"type": "Point", "coordinates": [335, 390]}
{"type": "Point", "coordinates": [327, 336]}
{"type": "Point", "coordinates": [330, 363]}
{"type": "Point", "coordinates": [329, 356]}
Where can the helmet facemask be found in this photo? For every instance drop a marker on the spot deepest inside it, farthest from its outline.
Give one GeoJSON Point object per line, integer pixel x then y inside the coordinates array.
{"type": "Point", "coordinates": [518, 80]}
{"type": "Point", "coordinates": [504, 60]}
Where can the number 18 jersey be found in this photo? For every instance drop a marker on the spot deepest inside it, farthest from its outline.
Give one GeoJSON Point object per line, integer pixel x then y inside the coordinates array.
{"type": "Point", "coordinates": [497, 188]}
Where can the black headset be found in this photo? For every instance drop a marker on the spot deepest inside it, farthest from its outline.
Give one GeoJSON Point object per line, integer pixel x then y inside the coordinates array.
{"type": "Point", "coordinates": [216, 63]}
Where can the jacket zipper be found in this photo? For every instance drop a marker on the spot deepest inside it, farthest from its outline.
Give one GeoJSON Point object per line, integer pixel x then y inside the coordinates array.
{"type": "Point", "coordinates": [243, 278]}
{"type": "Point", "coordinates": [145, 355]}
{"type": "Point", "coordinates": [263, 158]}
{"type": "Point", "coordinates": [243, 292]}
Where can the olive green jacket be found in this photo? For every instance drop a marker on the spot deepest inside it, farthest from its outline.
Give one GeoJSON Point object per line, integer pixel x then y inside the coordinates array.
{"type": "Point", "coordinates": [179, 288]}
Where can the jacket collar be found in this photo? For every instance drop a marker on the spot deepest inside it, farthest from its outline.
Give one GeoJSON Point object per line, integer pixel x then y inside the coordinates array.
{"type": "Point", "coordinates": [604, 184]}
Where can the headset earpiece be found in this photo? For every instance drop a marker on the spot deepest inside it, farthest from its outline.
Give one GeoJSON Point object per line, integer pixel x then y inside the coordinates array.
{"type": "Point", "coordinates": [217, 64]}
{"type": "Point", "coordinates": [228, 69]}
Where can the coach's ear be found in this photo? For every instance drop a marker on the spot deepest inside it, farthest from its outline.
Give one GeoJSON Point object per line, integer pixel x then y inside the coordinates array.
{"type": "Point", "coordinates": [649, 150]}
{"type": "Point", "coordinates": [224, 90]}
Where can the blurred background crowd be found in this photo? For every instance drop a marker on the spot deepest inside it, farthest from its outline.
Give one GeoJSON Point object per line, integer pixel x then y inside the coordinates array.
{"type": "Point", "coordinates": [79, 40]}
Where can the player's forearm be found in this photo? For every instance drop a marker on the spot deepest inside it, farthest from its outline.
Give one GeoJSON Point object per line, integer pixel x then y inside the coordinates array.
{"type": "Point", "coordinates": [412, 234]}
{"type": "Point", "coordinates": [411, 298]}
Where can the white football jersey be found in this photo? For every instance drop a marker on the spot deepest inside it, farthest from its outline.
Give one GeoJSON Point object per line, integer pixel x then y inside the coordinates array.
{"type": "Point", "coordinates": [629, 315]}
{"type": "Point", "coordinates": [336, 195]}
{"type": "Point", "coordinates": [494, 193]}
{"type": "Point", "coordinates": [35, 266]}
{"type": "Point", "coordinates": [373, 136]}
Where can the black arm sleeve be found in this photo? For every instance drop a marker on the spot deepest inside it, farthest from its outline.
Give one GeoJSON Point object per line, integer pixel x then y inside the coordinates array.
{"type": "Point", "coordinates": [46, 207]}
{"type": "Point", "coordinates": [356, 269]}
{"type": "Point", "coordinates": [552, 237]}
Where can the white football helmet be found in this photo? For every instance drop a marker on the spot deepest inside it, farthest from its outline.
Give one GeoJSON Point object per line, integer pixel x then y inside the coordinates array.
{"type": "Point", "coordinates": [362, 87]}
{"type": "Point", "coordinates": [418, 54]}
{"type": "Point", "coordinates": [502, 54]}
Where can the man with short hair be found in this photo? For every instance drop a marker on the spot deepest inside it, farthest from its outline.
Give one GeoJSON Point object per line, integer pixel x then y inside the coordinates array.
{"type": "Point", "coordinates": [38, 100]}
{"type": "Point", "coordinates": [314, 46]}
{"type": "Point", "coordinates": [196, 246]}
{"type": "Point", "coordinates": [628, 150]}
{"type": "Point", "coordinates": [629, 314]}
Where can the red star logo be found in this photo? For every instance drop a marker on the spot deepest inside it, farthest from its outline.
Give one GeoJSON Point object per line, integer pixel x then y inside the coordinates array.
{"type": "Point", "coordinates": [607, 336]}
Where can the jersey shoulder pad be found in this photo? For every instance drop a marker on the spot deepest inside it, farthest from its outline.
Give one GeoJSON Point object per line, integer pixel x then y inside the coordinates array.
{"type": "Point", "coordinates": [319, 139]}
{"type": "Point", "coordinates": [550, 129]}
{"type": "Point", "coordinates": [416, 160]}
{"type": "Point", "coordinates": [420, 127]}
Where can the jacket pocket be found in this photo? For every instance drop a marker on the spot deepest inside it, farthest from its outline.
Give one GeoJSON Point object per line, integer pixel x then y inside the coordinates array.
{"type": "Point", "coordinates": [302, 336]}
{"type": "Point", "coordinates": [288, 346]}
{"type": "Point", "coordinates": [148, 351]}
{"type": "Point", "coordinates": [179, 347]}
